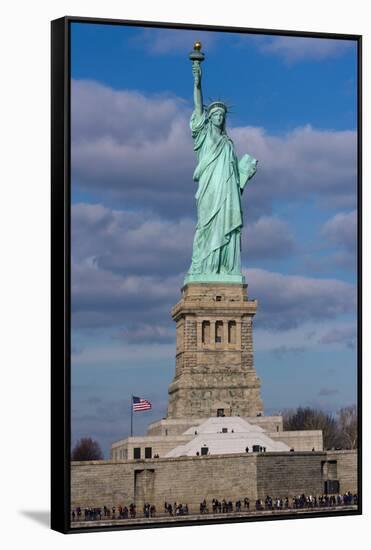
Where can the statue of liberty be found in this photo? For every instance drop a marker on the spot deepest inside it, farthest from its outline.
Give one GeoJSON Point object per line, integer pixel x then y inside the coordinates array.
{"type": "Point", "coordinates": [221, 178]}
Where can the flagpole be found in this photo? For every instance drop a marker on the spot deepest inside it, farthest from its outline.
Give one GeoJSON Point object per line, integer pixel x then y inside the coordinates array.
{"type": "Point", "coordinates": [131, 416]}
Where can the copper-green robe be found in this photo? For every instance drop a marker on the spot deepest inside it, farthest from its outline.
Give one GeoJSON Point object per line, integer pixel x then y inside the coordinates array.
{"type": "Point", "coordinates": [217, 241]}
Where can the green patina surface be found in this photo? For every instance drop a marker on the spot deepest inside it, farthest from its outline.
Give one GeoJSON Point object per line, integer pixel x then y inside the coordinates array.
{"type": "Point", "coordinates": [221, 178]}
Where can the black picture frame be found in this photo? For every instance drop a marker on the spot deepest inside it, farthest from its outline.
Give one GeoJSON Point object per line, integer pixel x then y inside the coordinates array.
{"type": "Point", "coordinates": [61, 267]}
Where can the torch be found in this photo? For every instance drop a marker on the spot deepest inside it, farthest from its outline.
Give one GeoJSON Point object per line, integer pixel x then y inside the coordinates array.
{"type": "Point", "coordinates": [196, 56]}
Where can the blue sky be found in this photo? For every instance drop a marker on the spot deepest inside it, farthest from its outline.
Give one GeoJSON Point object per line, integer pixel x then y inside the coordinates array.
{"type": "Point", "coordinates": [293, 107]}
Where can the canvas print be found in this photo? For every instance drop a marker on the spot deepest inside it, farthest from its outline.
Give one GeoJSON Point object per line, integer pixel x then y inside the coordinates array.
{"type": "Point", "coordinates": [214, 209]}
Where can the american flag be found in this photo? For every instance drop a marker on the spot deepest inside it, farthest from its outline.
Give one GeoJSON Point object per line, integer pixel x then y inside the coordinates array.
{"type": "Point", "coordinates": [140, 404]}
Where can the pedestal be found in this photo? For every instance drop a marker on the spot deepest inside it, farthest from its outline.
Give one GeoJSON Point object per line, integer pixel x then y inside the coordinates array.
{"type": "Point", "coordinates": [215, 372]}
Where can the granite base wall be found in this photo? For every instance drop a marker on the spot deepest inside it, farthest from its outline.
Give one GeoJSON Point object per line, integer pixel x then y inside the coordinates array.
{"type": "Point", "coordinates": [191, 479]}
{"type": "Point", "coordinates": [187, 480]}
{"type": "Point", "coordinates": [290, 475]}
{"type": "Point", "coordinates": [346, 469]}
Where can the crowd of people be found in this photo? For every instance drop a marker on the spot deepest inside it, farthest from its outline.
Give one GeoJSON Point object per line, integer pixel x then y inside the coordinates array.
{"type": "Point", "coordinates": [224, 506]}
{"type": "Point", "coordinates": [306, 501]}
{"type": "Point", "coordinates": [217, 507]}
{"type": "Point", "coordinates": [176, 509]}
{"type": "Point", "coordinates": [97, 514]}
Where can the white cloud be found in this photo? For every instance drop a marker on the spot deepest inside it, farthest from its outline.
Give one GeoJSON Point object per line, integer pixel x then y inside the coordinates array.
{"type": "Point", "coordinates": [149, 333]}
{"type": "Point", "coordinates": [346, 335]}
{"type": "Point", "coordinates": [125, 116]}
{"type": "Point", "coordinates": [142, 243]}
{"type": "Point", "coordinates": [173, 41]}
{"type": "Point", "coordinates": [130, 146]}
{"type": "Point", "coordinates": [341, 230]}
{"type": "Point", "coordinates": [286, 301]}
{"type": "Point", "coordinates": [316, 334]}
{"type": "Point", "coordinates": [125, 264]}
{"type": "Point", "coordinates": [123, 356]}
{"type": "Point", "coordinates": [138, 149]}
{"type": "Point", "coordinates": [293, 49]}
{"type": "Point", "coordinates": [304, 163]}
{"type": "Point", "coordinates": [268, 238]}
{"type": "Point", "coordinates": [340, 233]}
{"type": "Point", "coordinates": [131, 242]}
{"type": "Point", "coordinates": [101, 298]}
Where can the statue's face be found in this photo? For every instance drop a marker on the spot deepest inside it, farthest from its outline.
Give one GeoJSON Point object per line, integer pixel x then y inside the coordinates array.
{"type": "Point", "coordinates": [217, 118]}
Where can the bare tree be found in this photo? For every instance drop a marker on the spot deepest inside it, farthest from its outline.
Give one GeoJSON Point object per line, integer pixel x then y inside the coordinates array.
{"type": "Point", "coordinates": [306, 418]}
{"type": "Point", "coordinates": [87, 448]}
{"type": "Point", "coordinates": [348, 427]}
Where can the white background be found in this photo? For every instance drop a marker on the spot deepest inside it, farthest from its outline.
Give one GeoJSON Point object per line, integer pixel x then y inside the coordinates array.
{"type": "Point", "coordinates": [25, 285]}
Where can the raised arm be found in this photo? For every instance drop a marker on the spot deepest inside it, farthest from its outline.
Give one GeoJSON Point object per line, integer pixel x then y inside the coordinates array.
{"type": "Point", "coordinates": [197, 92]}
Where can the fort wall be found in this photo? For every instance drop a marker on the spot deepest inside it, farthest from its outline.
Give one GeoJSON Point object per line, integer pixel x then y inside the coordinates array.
{"type": "Point", "coordinates": [191, 479]}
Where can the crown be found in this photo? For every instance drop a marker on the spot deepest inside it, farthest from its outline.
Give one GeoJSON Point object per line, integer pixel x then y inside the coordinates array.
{"type": "Point", "coordinates": [217, 105]}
